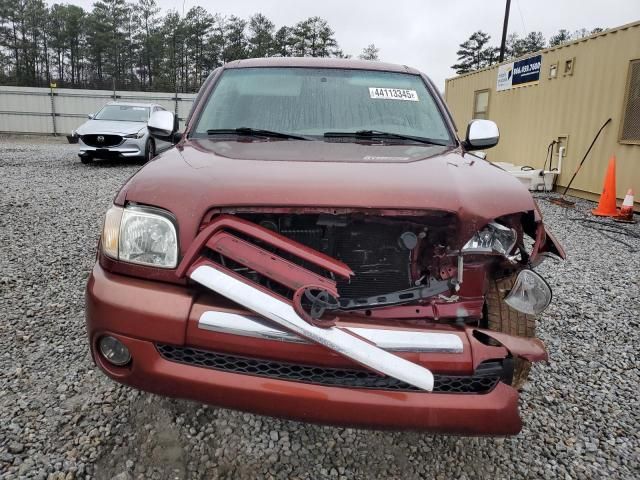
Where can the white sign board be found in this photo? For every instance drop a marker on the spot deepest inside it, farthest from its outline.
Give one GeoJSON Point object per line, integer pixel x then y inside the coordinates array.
{"type": "Point", "coordinates": [505, 77]}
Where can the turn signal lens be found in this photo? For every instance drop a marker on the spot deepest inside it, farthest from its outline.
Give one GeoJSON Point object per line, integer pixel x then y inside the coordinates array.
{"type": "Point", "coordinates": [530, 294]}
{"type": "Point", "coordinates": [111, 231]}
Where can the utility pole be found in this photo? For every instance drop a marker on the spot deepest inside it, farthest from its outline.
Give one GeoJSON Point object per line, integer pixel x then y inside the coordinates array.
{"type": "Point", "coordinates": [505, 26]}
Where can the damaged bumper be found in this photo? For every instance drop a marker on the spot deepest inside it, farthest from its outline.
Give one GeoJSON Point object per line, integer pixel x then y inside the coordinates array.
{"type": "Point", "coordinates": [177, 339]}
{"type": "Point", "coordinates": [257, 338]}
{"type": "Point", "coordinates": [495, 413]}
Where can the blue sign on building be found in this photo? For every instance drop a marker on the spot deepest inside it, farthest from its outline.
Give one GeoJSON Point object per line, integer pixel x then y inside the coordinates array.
{"type": "Point", "coordinates": [527, 70]}
{"type": "Point", "coordinates": [519, 73]}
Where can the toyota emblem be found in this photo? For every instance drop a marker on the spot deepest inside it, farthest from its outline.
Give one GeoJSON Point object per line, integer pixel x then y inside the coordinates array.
{"type": "Point", "coordinates": [100, 139]}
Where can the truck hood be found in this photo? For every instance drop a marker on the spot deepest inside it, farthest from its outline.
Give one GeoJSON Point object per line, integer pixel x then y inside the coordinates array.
{"type": "Point", "coordinates": [200, 174]}
{"type": "Point", "coordinates": [109, 126]}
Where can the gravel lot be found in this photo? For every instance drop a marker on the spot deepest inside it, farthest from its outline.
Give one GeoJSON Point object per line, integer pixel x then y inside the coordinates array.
{"type": "Point", "coordinates": [61, 418]}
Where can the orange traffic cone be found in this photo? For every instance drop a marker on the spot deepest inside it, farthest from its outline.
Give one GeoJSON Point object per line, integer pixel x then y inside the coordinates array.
{"type": "Point", "coordinates": [607, 205]}
{"type": "Point", "coordinates": [626, 212]}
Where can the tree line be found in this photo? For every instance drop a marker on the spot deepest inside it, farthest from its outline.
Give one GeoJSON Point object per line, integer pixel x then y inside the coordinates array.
{"type": "Point", "coordinates": [477, 53]}
{"type": "Point", "coordinates": [132, 46]}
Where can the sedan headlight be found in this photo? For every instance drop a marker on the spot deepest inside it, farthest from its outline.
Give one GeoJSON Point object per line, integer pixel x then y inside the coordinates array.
{"type": "Point", "coordinates": [142, 235]}
{"type": "Point", "coordinates": [494, 238]}
{"type": "Point", "coordinates": [140, 134]}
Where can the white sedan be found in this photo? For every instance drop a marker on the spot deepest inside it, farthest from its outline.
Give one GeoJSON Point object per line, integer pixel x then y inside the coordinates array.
{"type": "Point", "coordinates": [119, 130]}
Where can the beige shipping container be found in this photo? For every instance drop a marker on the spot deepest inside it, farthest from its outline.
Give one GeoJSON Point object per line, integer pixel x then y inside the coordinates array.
{"type": "Point", "coordinates": [581, 85]}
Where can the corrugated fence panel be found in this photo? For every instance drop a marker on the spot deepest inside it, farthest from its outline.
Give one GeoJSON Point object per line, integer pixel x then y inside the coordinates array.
{"type": "Point", "coordinates": [30, 110]}
{"type": "Point", "coordinates": [25, 110]}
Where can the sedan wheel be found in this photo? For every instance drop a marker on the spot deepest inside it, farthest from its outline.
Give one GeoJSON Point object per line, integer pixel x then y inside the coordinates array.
{"type": "Point", "coordinates": [150, 151]}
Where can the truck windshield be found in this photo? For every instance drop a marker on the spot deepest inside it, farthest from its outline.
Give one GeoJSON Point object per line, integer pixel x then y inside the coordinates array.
{"type": "Point", "coordinates": [123, 113]}
{"type": "Point", "coordinates": [316, 101]}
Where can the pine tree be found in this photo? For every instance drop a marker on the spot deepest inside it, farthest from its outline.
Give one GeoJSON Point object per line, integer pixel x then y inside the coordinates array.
{"type": "Point", "coordinates": [563, 36]}
{"type": "Point", "coordinates": [236, 45]}
{"type": "Point", "coordinates": [370, 52]}
{"type": "Point", "coordinates": [261, 33]}
{"type": "Point", "coordinates": [473, 53]}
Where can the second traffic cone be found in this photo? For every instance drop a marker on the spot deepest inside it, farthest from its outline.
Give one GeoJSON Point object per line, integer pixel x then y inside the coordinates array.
{"type": "Point", "coordinates": [626, 211]}
{"type": "Point", "coordinates": [607, 205]}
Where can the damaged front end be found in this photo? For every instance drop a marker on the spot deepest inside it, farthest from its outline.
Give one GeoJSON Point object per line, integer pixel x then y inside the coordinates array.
{"type": "Point", "coordinates": [367, 284]}
{"type": "Point", "coordinates": [368, 318]}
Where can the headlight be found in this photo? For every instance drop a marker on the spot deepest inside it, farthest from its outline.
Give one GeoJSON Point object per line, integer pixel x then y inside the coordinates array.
{"type": "Point", "coordinates": [140, 134]}
{"type": "Point", "coordinates": [530, 293]}
{"type": "Point", "coordinates": [495, 238]}
{"type": "Point", "coordinates": [141, 235]}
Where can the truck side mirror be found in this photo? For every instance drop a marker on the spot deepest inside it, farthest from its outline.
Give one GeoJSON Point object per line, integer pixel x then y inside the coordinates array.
{"type": "Point", "coordinates": [481, 134]}
{"type": "Point", "coordinates": [162, 125]}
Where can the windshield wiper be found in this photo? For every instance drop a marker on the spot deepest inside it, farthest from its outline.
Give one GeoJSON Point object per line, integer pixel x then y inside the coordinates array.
{"type": "Point", "coordinates": [255, 132]}
{"type": "Point", "coordinates": [381, 134]}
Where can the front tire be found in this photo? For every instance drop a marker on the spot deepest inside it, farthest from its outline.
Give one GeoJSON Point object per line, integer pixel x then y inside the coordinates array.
{"type": "Point", "coordinates": [87, 159]}
{"type": "Point", "coordinates": [149, 150]}
{"type": "Point", "coordinates": [502, 318]}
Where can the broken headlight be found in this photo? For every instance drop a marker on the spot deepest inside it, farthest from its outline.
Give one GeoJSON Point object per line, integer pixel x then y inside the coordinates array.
{"type": "Point", "coordinates": [494, 238]}
{"type": "Point", "coordinates": [530, 293]}
{"type": "Point", "coordinates": [146, 236]}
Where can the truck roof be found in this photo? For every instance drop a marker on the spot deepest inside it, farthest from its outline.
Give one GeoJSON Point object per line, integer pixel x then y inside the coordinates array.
{"type": "Point", "coordinates": [311, 62]}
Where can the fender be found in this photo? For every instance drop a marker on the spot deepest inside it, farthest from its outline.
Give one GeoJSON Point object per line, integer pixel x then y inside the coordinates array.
{"type": "Point", "coordinates": [531, 349]}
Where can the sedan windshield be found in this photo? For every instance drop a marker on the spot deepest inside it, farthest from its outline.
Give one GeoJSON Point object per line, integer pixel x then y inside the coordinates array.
{"type": "Point", "coordinates": [315, 101]}
{"type": "Point", "coordinates": [123, 113]}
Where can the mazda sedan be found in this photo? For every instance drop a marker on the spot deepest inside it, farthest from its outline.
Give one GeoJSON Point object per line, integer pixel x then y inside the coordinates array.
{"type": "Point", "coordinates": [119, 130]}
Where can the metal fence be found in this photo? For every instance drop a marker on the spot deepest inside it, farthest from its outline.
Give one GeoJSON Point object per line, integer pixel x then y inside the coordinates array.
{"type": "Point", "coordinates": [58, 111]}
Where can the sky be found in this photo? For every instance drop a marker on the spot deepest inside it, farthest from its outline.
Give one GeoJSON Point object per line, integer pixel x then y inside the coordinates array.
{"type": "Point", "coordinates": [424, 34]}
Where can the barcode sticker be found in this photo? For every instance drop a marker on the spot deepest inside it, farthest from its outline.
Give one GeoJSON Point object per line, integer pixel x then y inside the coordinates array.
{"type": "Point", "coordinates": [393, 94]}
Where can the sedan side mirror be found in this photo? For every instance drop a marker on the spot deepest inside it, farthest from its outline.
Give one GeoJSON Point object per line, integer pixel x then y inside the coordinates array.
{"type": "Point", "coordinates": [481, 134]}
{"type": "Point", "coordinates": [91, 116]}
{"type": "Point", "coordinates": [162, 125]}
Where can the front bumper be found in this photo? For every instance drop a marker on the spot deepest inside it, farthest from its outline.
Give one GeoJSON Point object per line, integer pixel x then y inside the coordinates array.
{"type": "Point", "coordinates": [130, 147]}
{"type": "Point", "coordinates": [143, 314]}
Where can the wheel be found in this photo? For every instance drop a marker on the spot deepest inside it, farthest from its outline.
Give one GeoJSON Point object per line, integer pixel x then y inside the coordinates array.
{"type": "Point", "coordinates": [502, 318]}
{"type": "Point", "coordinates": [149, 150]}
{"type": "Point", "coordinates": [86, 159]}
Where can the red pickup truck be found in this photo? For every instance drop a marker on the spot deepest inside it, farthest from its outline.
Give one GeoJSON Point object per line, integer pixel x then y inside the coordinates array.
{"type": "Point", "coordinates": [321, 245]}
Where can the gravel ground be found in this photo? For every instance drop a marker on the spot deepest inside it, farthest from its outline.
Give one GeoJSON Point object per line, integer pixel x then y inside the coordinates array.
{"type": "Point", "coordinates": [61, 418]}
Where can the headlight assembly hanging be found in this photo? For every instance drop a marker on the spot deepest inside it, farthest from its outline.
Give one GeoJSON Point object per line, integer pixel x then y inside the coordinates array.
{"type": "Point", "coordinates": [494, 238]}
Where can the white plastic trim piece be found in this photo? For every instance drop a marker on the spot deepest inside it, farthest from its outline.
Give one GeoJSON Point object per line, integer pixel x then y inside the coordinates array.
{"type": "Point", "coordinates": [334, 338]}
{"type": "Point", "coordinates": [393, 340]}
